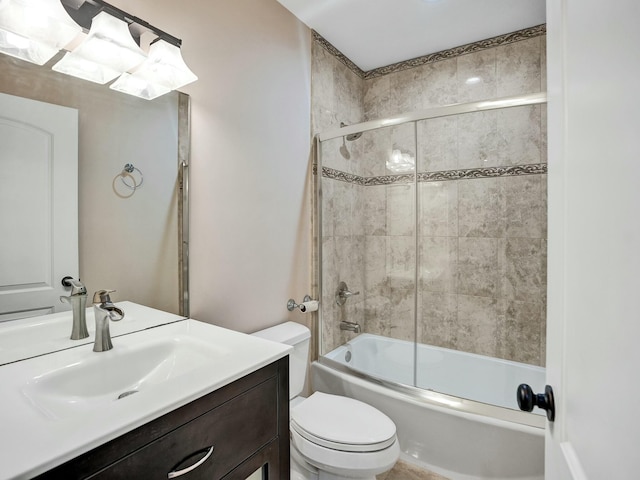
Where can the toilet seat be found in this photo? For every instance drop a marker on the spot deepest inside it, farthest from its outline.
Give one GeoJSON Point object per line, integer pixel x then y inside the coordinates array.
{"type": "Point", "coordinates": [342, 423]}
{"type": "Point", "coordinates": [336, 462]}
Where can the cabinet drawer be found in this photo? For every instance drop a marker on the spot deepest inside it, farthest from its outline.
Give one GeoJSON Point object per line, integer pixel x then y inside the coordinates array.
{"type": "Point", "coordinates": [236, 429]}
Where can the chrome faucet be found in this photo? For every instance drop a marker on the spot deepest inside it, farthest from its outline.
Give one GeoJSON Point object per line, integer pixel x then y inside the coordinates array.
{"type": "Point", "coordinates": [104, 311]}
{"type": "Point", "coordinates": [78, 302]}
{"type": "Point", "coordinates": [350, 326]}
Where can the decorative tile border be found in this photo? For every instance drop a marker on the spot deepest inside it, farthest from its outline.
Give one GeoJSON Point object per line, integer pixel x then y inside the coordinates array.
{"type": "Point", "coordinates": [445, 175]}
{"type": "Point", "coordinates": [342, 176]}
{"type": "Point", "coordinates": [337, 53]}
{"type": "Point", "coordinates": [517, 170]}
{"type": "Point", "coordinates": [505, 39]}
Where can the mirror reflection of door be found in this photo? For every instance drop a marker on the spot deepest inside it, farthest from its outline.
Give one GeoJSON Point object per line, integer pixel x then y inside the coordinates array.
{"type": "Point", "coordinates": [38, 246]}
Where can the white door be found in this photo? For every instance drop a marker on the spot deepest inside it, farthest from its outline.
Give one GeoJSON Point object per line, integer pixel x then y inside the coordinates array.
{"type": "Point", "coordinates": [38, 205]}
{"type": "Point", "coordinates": [593, 358]}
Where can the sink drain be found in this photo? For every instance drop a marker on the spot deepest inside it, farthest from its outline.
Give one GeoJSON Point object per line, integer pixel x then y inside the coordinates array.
{"type": "Point", "coordinates": [126, 394]}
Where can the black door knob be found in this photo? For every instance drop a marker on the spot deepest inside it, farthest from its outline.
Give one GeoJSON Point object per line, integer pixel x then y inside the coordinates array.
{"type": "Point", "coordinates": [527, 400]}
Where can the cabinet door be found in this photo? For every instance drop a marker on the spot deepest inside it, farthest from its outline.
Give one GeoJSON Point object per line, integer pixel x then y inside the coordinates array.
{"type": "Point", "coordinates": [212, 445]}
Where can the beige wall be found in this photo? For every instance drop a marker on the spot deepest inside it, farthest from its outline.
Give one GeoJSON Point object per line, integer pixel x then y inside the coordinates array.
{"type": "Point", "coordinates": [250, 234]}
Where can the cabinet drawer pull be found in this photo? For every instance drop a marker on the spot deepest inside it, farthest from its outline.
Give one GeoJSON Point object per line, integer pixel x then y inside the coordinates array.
{"type": "Point", "coordinates": [179, 473]}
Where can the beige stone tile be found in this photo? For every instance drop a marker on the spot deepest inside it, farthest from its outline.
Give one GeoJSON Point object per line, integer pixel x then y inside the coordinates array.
{"type": "Point", "coordinates": [328, 205]}
{"type": "Point", "coordinates": [378, 316]}
{"type": "Point", "coordinates": [376, 97]}
{"type": "Point", "coordinates": [403, 90]}
{"type": "Point", "coordinates": [321, 70]}
{"type": "Point", "coordinates": [436, 84]}
{"type": "Point", "coordinates": [481, 207]}
{"type": "Point", "coordinates": [438, 144]}
{"type": "Point", "coordinates": [521, 268]}
{"type": "Point", "coordinates": [477, 76]}
{"type": "Point", "coordinates": [331, 156]}
{"type": "Point", "coordinates": [422, 87]}
{"type": "Point", "coordinates": [400, 209]}
{"type": "Point", "coordinates": [543, 134]}
{"type": "Point", "coordinates": [374, 211]}
{"type": "Point", "coordinates": [478, 267]}
{"type": "Point", "coordinates": [329, 309]}
{"type": "Point", "coordinates": [375, 267]}
{"type": "Point", "coordinates": [438, 208]}
{"type": "Point", "coordinates": [475, 330]}
{"type": "Point", "coordinates": [438, 264]}
{"type": "Point", "coordinates": [322, 117]}
{"type": "Point", "coordinates": [377, 149]}
{"type": "Point", "coordinates": [520, 332]}
{"type": "Point", "coordinates": [343, 202]}
{"type": "Point", "coordinates": [519, 137]}
{"type": "Point", "coordinates": [543, 63]}
{"type": "Point", "coordinates": [524, 214]}
{"type": "Point", "coordinates": [518, 68]}
{"type": "Point", "coordinates": [543, 205]}
{"type": "Point", "coordinates": [543, 268]}
{"type": "Point", "coordinates": [403, 138]}
{"type": "Point", "coordinates": [402, 306]}
{"type": "Point", "coordinates": [401, 258]}
{"type": "Point", "coordinates": [478, 139]}
{"type": "Point", "coordinates": [322, 91]}
{"type": "Point", "coordinates": [436, 316]}
{"type": "Point", "coordinates": [348, 94]}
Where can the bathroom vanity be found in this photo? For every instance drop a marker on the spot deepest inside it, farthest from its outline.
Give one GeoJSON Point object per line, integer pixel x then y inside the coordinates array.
{"type": "Point", "coordinates": [229, 433]}
{"type": "Point", "coordinates": [183, 398]}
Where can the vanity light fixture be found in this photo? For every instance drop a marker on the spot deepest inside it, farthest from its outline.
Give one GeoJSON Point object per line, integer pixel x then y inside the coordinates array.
{"type": "Point", "coordinates": [111, 48]}
{"type": "Point", "coordinates": [163, 70]}
{"type": "Point", "coordinates": [35, 30]}
{"type": "Point", "coordinates": [108, 51]}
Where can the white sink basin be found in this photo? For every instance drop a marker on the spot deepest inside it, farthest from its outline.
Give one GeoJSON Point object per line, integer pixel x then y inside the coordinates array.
{"type": "Point", "coordinates": [60, 405]}
{"type": "Point", "coordinates": [102, 378]}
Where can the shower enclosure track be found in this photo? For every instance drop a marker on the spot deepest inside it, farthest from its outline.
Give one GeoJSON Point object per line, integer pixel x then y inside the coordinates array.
{"type": "Point", "coordinates": [435, 112]}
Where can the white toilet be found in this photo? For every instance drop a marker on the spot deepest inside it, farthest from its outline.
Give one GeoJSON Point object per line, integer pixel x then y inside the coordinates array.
{"type": "Point", "coordinates": [332, 437]}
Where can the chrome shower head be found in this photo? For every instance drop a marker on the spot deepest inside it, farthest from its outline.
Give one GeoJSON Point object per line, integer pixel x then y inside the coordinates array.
{"type": "Point", "coordinates": [353, 136]}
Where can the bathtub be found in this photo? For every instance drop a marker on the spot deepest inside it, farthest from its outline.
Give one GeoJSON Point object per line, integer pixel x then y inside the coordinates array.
{"type": "Point", "coordinates": [462, 423]}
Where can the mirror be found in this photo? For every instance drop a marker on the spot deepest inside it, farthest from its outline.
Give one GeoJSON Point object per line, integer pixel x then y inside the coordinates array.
{"type": "Point", "coordinates": [130, 241]}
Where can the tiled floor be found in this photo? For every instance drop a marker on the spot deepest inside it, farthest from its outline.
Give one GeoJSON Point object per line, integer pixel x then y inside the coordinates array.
{"type": "Point", "coordinates": [405, 471]}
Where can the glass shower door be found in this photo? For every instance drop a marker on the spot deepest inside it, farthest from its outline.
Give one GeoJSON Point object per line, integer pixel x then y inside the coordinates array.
{"type": "Point", "coordinates": [368, 227]}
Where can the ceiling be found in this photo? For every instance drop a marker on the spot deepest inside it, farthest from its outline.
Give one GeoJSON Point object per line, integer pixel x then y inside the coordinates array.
{"type": "Point", "coordinates": [376, 33]}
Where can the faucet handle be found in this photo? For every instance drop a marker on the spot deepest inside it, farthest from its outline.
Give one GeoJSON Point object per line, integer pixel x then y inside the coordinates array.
{"type": "Point", "coordinates": [77, 287]}
{"type": "Point", "coordinates": [343, 293]}
{"type": "Point", "coordinates": [102, 296]}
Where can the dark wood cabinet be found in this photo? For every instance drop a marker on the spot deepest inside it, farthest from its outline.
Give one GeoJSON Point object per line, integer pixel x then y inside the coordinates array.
{"type": "Point", "coordinates": [227, 434]}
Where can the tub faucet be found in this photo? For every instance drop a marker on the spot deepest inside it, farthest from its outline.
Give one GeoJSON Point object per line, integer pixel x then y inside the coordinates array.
{"type": "Point", "coordinates": [78, 302]}
{"type": "Point", "coordinates": [104, 311]}
{"type": "Point", "coordinates": [350, 326]}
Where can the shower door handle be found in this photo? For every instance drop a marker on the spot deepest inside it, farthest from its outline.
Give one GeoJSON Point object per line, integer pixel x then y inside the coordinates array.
{"type": "Point", "coordinates": [527, 400]}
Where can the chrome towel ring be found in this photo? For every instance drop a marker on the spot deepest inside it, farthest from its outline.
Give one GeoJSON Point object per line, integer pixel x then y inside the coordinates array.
{"type": "Point", "coordinates": [127, 172]}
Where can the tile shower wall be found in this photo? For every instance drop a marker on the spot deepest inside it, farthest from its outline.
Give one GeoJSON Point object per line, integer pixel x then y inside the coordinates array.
{"type": "Point", "coordinates": [337, 97]}
{"type": "Point", "coordinates": [481, 255]}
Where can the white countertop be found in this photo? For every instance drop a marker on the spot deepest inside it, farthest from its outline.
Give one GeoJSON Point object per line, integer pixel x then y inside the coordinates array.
{"type": "Point", "coordinates": [30, 337]}
{"type": "Point", "coordinates": [34, 441]}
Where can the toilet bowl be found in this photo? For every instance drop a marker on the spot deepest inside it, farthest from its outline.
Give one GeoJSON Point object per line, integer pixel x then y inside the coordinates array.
{"type": "Point", "coordinates": [332, 437]}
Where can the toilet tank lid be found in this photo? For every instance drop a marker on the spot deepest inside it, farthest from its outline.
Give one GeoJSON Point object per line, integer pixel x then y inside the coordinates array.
{"type": "Point", "coordinates": [289, 333]}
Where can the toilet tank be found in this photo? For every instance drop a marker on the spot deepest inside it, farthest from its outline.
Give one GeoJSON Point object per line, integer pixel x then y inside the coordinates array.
{"type": "Point", "coordinates": [297, 336]}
